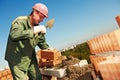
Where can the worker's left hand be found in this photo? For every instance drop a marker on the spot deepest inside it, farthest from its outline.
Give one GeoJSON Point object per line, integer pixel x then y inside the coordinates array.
{"type": "Point", "coordinates": [50, 48]}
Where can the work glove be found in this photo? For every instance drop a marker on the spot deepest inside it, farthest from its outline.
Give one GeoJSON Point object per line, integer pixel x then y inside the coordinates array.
{"type": "Point", "coordinates": [39, 29]}
{"type": "Point", "coordinates": [50, 48]}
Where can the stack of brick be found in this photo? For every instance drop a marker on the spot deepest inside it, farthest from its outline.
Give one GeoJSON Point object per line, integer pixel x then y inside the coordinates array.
{"type": "Point", "coordinates": [105, 43]}
{"type": "Point", "coordinates": [109, 69]}
{"type": "Point", "coordinates": [5, 75]}
{"type": "Point", "coordinates": [106, 65]}
{"type": "Point", "coordinates": [95, 60]}
{"type": "Point", "coordinates": [49, 58]}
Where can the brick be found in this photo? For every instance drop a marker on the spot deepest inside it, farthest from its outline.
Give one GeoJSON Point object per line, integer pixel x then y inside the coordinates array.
{"type": "Point", "coordinates": [117, 34]}
{"type": "Point", "coordinates": [39, 54]}
{"type": "Point", "coordinates": [94, 76]}
{"type": "Point", "coordinates": [0, 74]}
{"type": "Point", "coordinates": [62, 58]}
{"type": "Point", "coordinates": [3, 78]}
{"type": "Point", "coordinates": [114, 41]}
{"type": "Point", "coordinates": [3, 73]}
{"type": "Point", "coordinates": [9, 77]}
{"type": "Point", "coordinates": [49, 58]}
{"type": "Point", "coordinates": [108, 43]}
{"type": "Point", "coordinates": [118, 20]}
{"type": "Point", "coordinates": [50, 54]}
{"type": "Point", "coordinates": [95, 60]}
{"type": "Point", "coordinates": [105, 43]}
{"type": "Point", "coordinates": [91, 58]}
{"type": "Point", "coordinates": [109, 69]}
{"type": "Point", "coordinates": [49, 63]}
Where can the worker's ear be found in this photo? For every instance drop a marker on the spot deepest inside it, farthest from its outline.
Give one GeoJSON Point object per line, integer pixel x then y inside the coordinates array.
{"type": "Point", "coordinates": [35, 12]}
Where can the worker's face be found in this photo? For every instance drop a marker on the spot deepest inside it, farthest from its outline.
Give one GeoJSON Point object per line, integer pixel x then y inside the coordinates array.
{"type": "Point", "coordinates": [37, 17]}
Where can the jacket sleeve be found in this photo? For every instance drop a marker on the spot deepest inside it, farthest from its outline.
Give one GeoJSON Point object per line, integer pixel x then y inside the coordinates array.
{"type": "Point", "coordinates": [18, 32]}
{"type": "Point", "coordinates": [42, 43]}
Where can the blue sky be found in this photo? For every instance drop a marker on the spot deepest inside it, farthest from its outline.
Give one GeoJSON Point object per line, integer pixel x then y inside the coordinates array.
{"type": "Point", "coordinates": [76, 21]}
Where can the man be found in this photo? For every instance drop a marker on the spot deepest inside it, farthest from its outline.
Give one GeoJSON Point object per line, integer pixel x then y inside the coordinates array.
{"type": "Point", "coordinates": [25, 35]}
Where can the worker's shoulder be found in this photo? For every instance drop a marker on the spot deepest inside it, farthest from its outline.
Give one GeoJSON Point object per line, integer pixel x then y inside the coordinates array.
{"type": "Point", "coordinates": [20, 18]}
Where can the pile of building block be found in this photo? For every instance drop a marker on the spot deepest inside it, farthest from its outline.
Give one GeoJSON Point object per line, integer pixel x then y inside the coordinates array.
{"type": "Point", "coordinates": [106, 67]}
{"type": "Point", "coordinates": [109, 69]}
{"type": "Point", "coordinates": [5, 75]}
{"type": "Point", "coordinates": [49, 58]}
{"type": "Point", "coordinates": [105, 43]}
{"type": "Point", "coordinates": [105, 55]}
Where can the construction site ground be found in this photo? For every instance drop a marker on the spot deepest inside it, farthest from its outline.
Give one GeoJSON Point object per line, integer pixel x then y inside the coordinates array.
{"type": "Point", "coordinates": [73, 72]}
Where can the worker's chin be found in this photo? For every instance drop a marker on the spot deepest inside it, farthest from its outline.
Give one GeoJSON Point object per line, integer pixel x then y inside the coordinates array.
{"type": "Point", "coordinates": [36, 24]}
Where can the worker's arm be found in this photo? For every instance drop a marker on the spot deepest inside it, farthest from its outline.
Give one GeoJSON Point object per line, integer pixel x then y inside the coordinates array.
{"type": "Point", "coordinates": [42, 42]}
{"type": "Point", "coordinates": [18, 32]}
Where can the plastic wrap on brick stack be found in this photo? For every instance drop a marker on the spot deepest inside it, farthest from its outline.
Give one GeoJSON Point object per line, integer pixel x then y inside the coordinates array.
{"type": "Point", "coordinates": [49, 58]}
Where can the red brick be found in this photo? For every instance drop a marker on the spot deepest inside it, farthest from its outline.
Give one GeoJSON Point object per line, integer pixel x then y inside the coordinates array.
{"type": "Point", "coordinates": [105, 43]}
{"type": "Point", "coordinates": [9, 77]}
{"type": "Point", "coordinates": [49, 63]}
{"type": "Point", "coordinates": [50, 54]}
{"type": "Point", "coordinates": [39, 54]}
{"type": "Point", "coordinates": [0, 74]}
{"type": "Point", "coordinates": [3, 78]}
{"type": "Point", "coordinates": [118, 20]}
{"type": "Point", "coordinates": [109, 69]}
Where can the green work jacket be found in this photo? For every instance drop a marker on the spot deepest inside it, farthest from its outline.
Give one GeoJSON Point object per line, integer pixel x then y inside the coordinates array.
{"type": "Point", "coordinates": [22, 41]}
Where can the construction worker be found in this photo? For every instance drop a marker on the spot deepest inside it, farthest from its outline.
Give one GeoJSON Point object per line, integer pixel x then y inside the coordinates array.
{"type": "Point", "coordinates": [25, 34]}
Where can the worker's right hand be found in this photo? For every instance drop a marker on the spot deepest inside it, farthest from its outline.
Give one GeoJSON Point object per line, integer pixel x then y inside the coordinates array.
{"type": "Point", "coordinates": [39, 29]}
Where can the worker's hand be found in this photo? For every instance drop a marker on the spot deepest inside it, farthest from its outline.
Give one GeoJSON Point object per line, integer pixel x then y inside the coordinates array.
{"type": "Point", "coordinates": [38, 29]}
{"type": "Point", "coordinates": [50, 48]}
